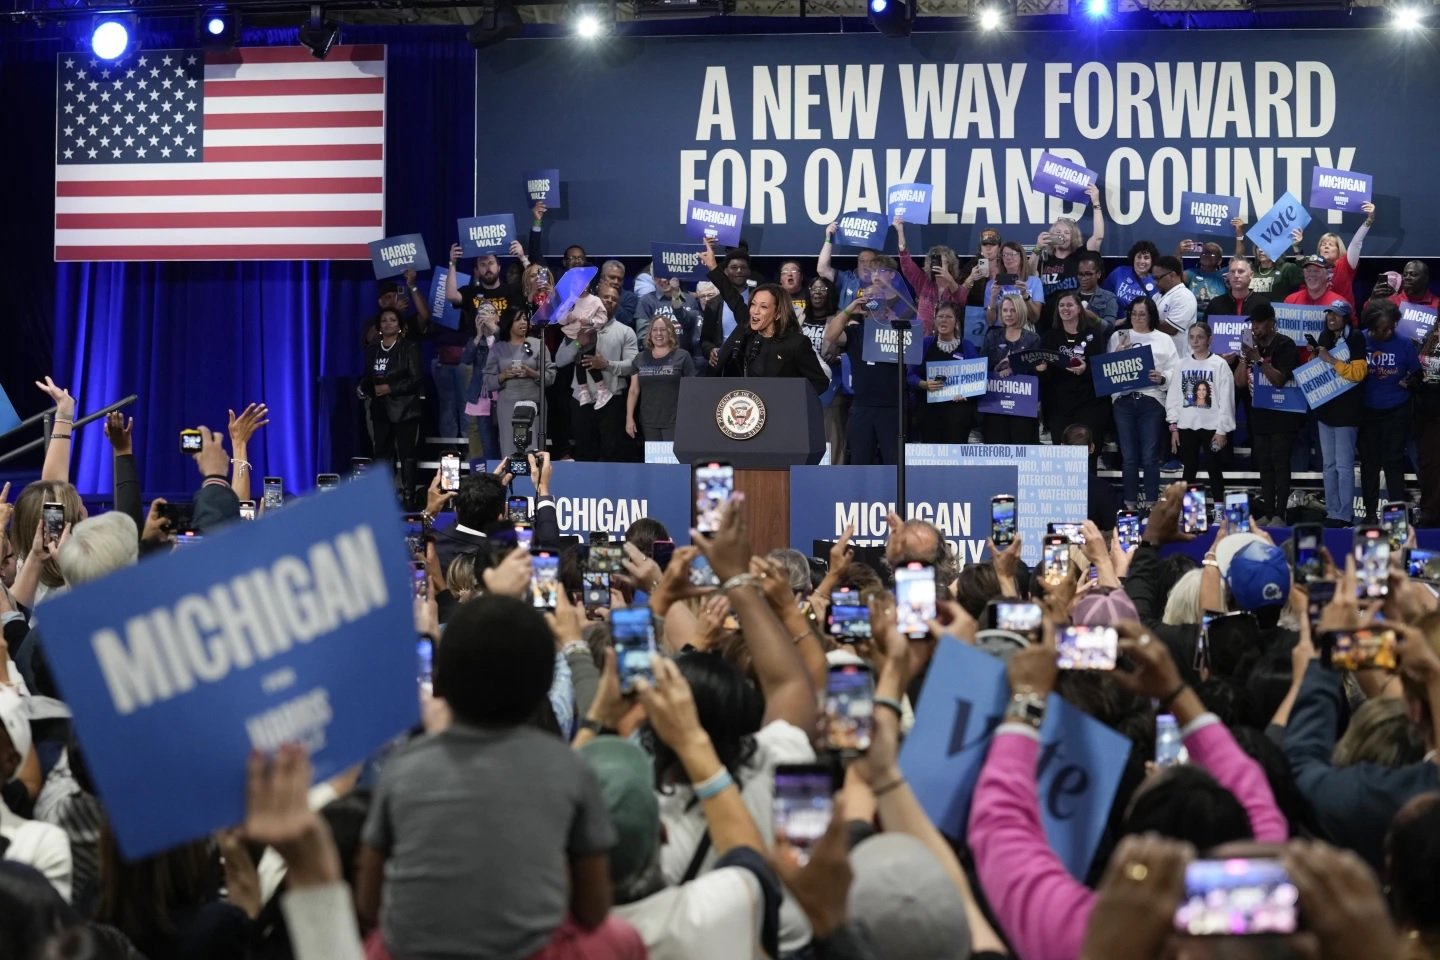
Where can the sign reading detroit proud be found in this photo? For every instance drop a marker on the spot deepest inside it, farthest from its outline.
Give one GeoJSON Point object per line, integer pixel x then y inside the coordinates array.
{"type": "Point", "coordinates": [799, 135]}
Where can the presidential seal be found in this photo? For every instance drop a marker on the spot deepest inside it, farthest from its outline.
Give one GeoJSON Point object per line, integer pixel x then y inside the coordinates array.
{"type": "Point", "coordinates": [740, 414]}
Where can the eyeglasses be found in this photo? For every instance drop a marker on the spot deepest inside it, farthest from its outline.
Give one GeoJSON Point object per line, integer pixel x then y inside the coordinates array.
{"type": "Point", "coordinates": [1161, 276]}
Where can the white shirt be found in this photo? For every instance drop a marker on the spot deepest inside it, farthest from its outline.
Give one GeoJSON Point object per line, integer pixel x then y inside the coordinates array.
{"type": "Point", "coordinates": [1178, 308]}
{"type": "Point", "coordinates": [1219, 412]}
{"type": "Point", "coordinates": [40, 845]}
{"type": "Point", "coordinates": [1162, 349]}
{"type": "Point", "coordinates": [716, 916]}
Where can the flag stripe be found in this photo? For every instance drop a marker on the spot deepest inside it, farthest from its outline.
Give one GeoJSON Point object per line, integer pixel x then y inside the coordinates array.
{"type": "Point", "coordinates": [193, 188]}
{"type": "Point", "coordinates": [299, 151]}
{"type": "Point", "coordinates": [251, 138]}
{"type": "Point", "coordinates": [212, 219]}
{"type": "Point", "coordinates": [296, 54]}
{"type": "Point", "coordinates": [295, 104]}
{"type": "Point", "coordinates": [237, 202]}
{"type": "Point", "coordinates": [294, 88]}
{"type": "Point", "coordinates": [244, 236]}
{"type": "Point", "coordinates": [252, 121]}
{"type": "Point", "coordinates": [291, 251]}
{"type": "Point", "coordinates": [207, 172]}
{"type": "Point", "coordinates": [314, 70]}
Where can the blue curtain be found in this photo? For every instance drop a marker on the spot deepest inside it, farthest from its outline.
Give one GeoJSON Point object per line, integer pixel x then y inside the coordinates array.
{"type": "Point", "coordinates": [195, 339]}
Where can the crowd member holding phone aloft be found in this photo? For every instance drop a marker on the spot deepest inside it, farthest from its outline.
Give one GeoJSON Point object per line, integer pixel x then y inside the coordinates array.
{"type": "Point", "coordinates": [1014, 279]}
{"type": "Point", "coordinates": [1271, 355]}
{"type": "Point", "coordinates": [848, 282]}
{"type": "Point", "coordinates": [1385, 432]}
{"type": "Point", "coordinates": [1414, 287]}
{"type": "Point", "coordinates": [1056, 260]}
{"type": "Point", "coordinates": [871, 435]}
{"type": "Point", "coordinates": [939, 281]}
{"type": "Point", "coordinates": [393, 378]}
{"type": "Point", "coordinates": [1013, 336]}
{"type": "Point", "coordinates": [1140, 414]}
{"type": "Point", "coordinates": [1338, 421]}
{"type": "Point", "coordinates": [1132, 280]}
{"type": "Point", "coordinates": [1096, 301]}
{"type": "Point", "coordinates": [655, 389]}
{"type": "Point", "coordinates": [1200, 406]}
{"type": "Point", "coordinates": [986, 267]}
{"type": "Point", "coordinates": [1067, 391]}
{"type": "Point", "coordinates": [952, 421]}
{"type": "Point", "coordinates": [512, 374]}
{"type": "Point", "coordinates": [1207, 280]}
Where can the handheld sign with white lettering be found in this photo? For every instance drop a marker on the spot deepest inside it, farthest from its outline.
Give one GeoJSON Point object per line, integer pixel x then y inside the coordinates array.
{"type": "Point", "coordinates": [1123, 371]}
{"type": "Point", "coordinates": [1208, 213]}
{"type": "Point", "coordinates": [1297, 319]}
{"type": "Point", "coordinates": [961, 378]}
{"type": "Point", "coordinates": [1226, 333]}
{"type": "Point", "coordinates": [1081, 759]}
{"type": "Point", "coordinates": [488, 234]}
{"type": "Point", "coordinates": [1271, 232]}
{"type": "Point", "coordinates": [442, 311]}
{"type": "Point", "coordinates": [721, 224]}
{"type": "Point", "coordinates": [863, 230]}
{"type": "Point", "coordinates": [1319, 381]}
{"type": "Point", "coordinates": [394, 255]}
{"type": "Point", "coordinates": [1055, 176]}
{"type": "Point", "coordinates": [1416, 321]}
{"type": "Point", "coordinates": [679, 260]}
{"type": "Point", "coordinates": [1339, 189]}
{"type": "Point", "coordinates": [1265, 395]}
{"type": "Point", "coordinates": [976, 326]}
{"type": "Point", "coordinates": [1017, 395]}
{"type": "Point", "coordinates": [543, 186]}
{"type": "Point", "coordinates": [268, 633]}
{"type": "Point", "coordinates": [881, 338]}
{"type": "Point", "coordinates": [909, 201]}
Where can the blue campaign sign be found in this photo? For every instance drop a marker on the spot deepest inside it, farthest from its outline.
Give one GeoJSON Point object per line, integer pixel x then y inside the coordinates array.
{"type": "Point", "coordinates": [292, 631]}
{"type": "Point", "coordinates": [1416, 321]}
{"type": "Point", "coordinates": [962, 378]}
{"type": "Point", "coordinates": [1271, 232]}
{"type": "Point", "coordinates": [543, 186]}
{"type": "Point", "coordinates": [569, 288]}
{"type": "Point", "coordinates": [394, 255]}
{"type": "Point", "coordinates": [719, 223]}
{"type": "Point", "coordinates": [1343, 190]}
{"type": "Point", "coordinates": [1226, 333]}
{"type": "Point", "coordinates": [1081, 759]}
{"type": "Point", "coordinates": [864, 230]}
{"type": "Point", "coordinates": [909, 201]}
{"type": "Point", "coordinates": [881, 340]}
{"type": "Point", "coordinates": [442, 311]}
{"type": "Point", "coordinates": [681, 260]}
{"type": "Point", "coordinates": [1320, 383]}
{"type": "Point", "coordinates": [1208, 213]}
{"type": "Point", "coordinates": [491, 233]}
{"type": "Point", "coordinates": [1124, 371]}
{"type": "Point", "coordinates": [1057, 176]}
{"type": "Point", "coordinates": [824, 500]}
{"type": "Point", "coordinates": [1289, 398]}
{"type": "Point", "coordinates": [976, 326]}
{"type": "Point", "coordinates": [1017, 395]}
{"type": "Point", "coordinates": [1297, 319]}
{"type": "Point", "coordinates": [9, 419]}
{"type": "Point", "coordinates": [594, 497]}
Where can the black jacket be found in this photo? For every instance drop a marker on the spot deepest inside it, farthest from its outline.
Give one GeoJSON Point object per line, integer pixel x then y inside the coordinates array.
{"type": "Point", "coordinates": [405, 378]}
{"type": "Point", "coordinates": [450, 542]}
{"type": "Point", "coordinates": [747, 354]}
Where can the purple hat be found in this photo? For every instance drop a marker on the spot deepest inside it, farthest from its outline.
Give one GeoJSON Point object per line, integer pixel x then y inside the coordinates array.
{"type": "Point", "coordinates": [1103, 609]}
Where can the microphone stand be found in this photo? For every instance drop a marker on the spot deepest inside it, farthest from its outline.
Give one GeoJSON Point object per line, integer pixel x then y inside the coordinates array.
{"type": "Point", "coordinates": [902, 328]}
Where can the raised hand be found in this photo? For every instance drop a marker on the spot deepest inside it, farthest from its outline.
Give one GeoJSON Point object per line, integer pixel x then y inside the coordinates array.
{"type": "Point", "coordinates": [243, 427]}
{"type": "Point", "coordinates": [117, 431]}
{"type": "Point", "coordinates": [64, 403]}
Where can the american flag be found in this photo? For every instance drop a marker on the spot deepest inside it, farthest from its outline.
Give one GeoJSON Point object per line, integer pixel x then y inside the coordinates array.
{"type": "Point", "coordinates": [259, 153]}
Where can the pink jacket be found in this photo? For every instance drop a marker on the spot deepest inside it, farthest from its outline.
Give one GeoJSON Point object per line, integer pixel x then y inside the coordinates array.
{"type": "Point", "coordinates": [1041, 908]}
{"type": "Point", "coordinates": [927, 294]}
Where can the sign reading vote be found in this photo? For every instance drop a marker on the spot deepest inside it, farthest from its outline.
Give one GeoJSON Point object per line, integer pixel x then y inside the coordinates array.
{"type": "Point", "coordinates": [881, 342]}
{"type": "Point", "coordinates": [394, 255]}
{"type": "Point", "coordinates": [959, 378]}
{"type": "Point", "coordinates": [1295, 320]}
{"type": "Point", "coordinates": [442, 311]}
{"type": "Point", "coordinates": [608, 497]}
{"type": "Point", "coordinates": [269, 633]}
{"type": "Point", "coordinates": [909, 201]}
{"type": "Point", "coordinates": [1339, 189]}
{"type": "Point", "coordinates": [711, 220]}
{"type": "Point", "coordinates": [1416, 321]}
{"type": "Point", "coordinates": [679, 260]}
{"type": "Point", "coordinates": [1271, 232]}
{"type": "Point", "coordinates": [543, 186]}
{"type": "Point", "coordinates": [1081, 759]}
{"type": "Point", "coordinates": [864, 230]}
{"type": "Point", "coordinates": [1055, 176]}
{"type": "Point", "coordinates": [1013, 396]}
{"type": "Point", "coordinates": [491, 233]}
{"type": "Point", "coordinates": [1208, 213]}
{"type": "Point", "coordinates": [1265, 395]}
{"type": "Point", "coordinates": [1124, 371]}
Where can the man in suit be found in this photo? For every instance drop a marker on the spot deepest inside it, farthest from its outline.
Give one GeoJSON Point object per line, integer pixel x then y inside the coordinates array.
{"type": "Point", "coordinates": [480, 503]}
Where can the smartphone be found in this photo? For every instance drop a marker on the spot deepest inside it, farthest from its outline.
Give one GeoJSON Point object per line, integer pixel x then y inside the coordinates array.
{"type": "Point", "coordinates": [701, 574]}
{"type": "Point", "coordinates": [1237, 510]}
{"type": "Point", "coordinates": [1369, 648]}
{"type": "Point", "coordinates": [1202, 640]}
{"type": "Point", "coordinates": [1169, 748]}
{"type": "Point", "coordinates": [1422, 564]}
{"type": "Point", "coordinates": [190, 441]}
{"type": "Point", "coordinates": [848, 619]}
{"type": "Point", "coordinates": [1319, 593]}
{"type": "Point", "coordinates": [247, 509]}
{"type": "Point", "coordinates": [1056, 555]}
{"type": "Point", "coordinates": [1238, 897]}
{"type": "Point", "coordinates": [1395, 518]}
{"type": "Point", "coordinates": [804, 800]}
{"type": "Point", "coordinates": [358, 465]}
{"type": "Point", "coordinates": [1016, 617]}
{"type": "Point", "coordinates": [595, 590]}
{"type": "Point", "coordinates": [545, 580]}
{"type": "Point", "coordinates": [714, 486]}
{"type": "Point", "coordinates": [53, 516]}
{"type": "Point", "coordinates": [1311, 341]}
{"type": "Point", "coordinates": [425, 664]}
{"type": "Point", "coordinates": [1087, 648]}
{"type": "Point", "coordinates": [914, 599]}
{"type": "Point", "coordinates": [1372, 563]}
{"type": "Point", "coordinates": [1002, 520]}
{"type": "Point", "coordinates": [524, 536]}
{"type": "Point", "coordinates": [608, 557]}
{"type": "Point", "coordinates": [1072, 532]}
{"type": "Point", "coordinates": [187, 539]}
{"type": "Point", "coordinates": [327, 481]}
{"type": "Point", "coordinates": [1127, 528]}
{"type": "Point", "coordinates": [517, 466]}
{"type": "Point", "coordinates": [415, 535]}
{"type": "Point", "coordinates": [1309, 563]}
{"type": "Point", "coordinates": [662, 551]}
{"type": "Point", "coordinates": [633, 632]}
{"type": "Point", "coordinates": [274, 492]}
{"type": "Point", "coordinates": [450, 471]}
{"type": "Point", "coordinates": [419, 580]}
{"type": "Point", "coordinates": [518, 509]}
{"type": "Point", "coordinates": [1193, 516]}
{"type": "Point", "coordinates": [849, 708]}
{"type": "Point", "coordinates": [983, 264]}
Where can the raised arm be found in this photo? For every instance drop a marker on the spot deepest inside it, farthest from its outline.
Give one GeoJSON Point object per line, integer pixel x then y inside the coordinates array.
{"type": "Point", "coordinates": [1097, 218]}
{"type": "Point", "coordinates": [822, 264]}
{"type": "Point", "coordinates": [1352, 252]}
{"type": "Point", "coordinates": [119, 430]}
{"type": "Point", "coordinates": [242, 428]}
{"type": "Point", "coordinates": [57, 451]}
{"type": "Point", "coordinates": [452, 290]}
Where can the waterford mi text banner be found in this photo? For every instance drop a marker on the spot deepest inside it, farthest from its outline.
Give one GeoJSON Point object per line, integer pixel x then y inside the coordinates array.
{"type": "Point", "coordinates": [799, 130]}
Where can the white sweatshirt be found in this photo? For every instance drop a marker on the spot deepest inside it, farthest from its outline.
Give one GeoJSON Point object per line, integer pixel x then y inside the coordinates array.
{"type": "Point", "coordinates": [1162, 348]}
{"type": "Point", "coordinates": [1218, 410]}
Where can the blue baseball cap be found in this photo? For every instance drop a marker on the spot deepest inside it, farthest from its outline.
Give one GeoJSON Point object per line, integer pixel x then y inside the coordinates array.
{"type": "Point", "coordinates": [1256, 571]}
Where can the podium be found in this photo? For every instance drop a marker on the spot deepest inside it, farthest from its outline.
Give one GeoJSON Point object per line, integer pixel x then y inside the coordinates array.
{"type": "Point", "coordinates": [707, 427]}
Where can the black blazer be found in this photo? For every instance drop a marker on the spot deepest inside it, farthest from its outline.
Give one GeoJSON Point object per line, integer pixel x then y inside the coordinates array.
{"type": "Point", "coordinates": [405, 377]}
{"type": "Point", "coordinates": [789, 355]}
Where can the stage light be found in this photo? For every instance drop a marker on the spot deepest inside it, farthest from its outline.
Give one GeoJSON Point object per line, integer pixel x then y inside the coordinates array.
{"type": "Point", "coordinates": [587, 25]}
{"type": "Point", "coordinates": [111, 36]}
{"type": "Point", "coordinates": [1407, 18]}
{"type": "Point", "coordinates": [990, 19]}
{"type": "Point", "coordinates": [878, 6]}
{"type": "Point", "coordinates": [498, 20]}
{"type": "Point", "coordinates": [218, 28]}
{"type": "Point", "coordinates": [892, 17]}
{"type": "Point", "coordinates": [319, 34]}
{"type": "Point", "coordinates": [1096, 9]}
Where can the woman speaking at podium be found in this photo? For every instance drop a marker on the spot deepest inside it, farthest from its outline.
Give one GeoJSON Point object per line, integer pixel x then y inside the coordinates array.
{"type": "Point", "coordinates": [772, 343]}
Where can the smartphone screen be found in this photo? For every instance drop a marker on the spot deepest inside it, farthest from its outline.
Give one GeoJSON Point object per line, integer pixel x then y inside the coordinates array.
{"type": "Point", "coordinates": [701, 575]}
{"type": "Point", "coordinates": [247, 509]}
{"type": "Point", "coordinates": [1422, 564]}
{"type": "Point", "coordinates": [608, 557]}
{"type": "Point", "coordinates": [1309, 537]}
{"type": "Point", "coordinates": [545, 580]}
{"type": "Point", "coordinates": [1372, 563]}
{"type": "Point", "coordinates": [188, 539]}
{"type": "Point", "coordinates": [53, 516]}
{"type": "Point", "coordinates": [359, 465]}
{"type": "Point", "coordinates": [803, 803]}
{"type": "Point", "coordinates": [1002, 520]}
{"type": "Point", "coordinates": [661, 551]}
{"type": "Point", "coordinates": [1127, 528]}
{"type": "Point", "coordinates": [425, 664]}
{"type": "Point", "coordinates": [1169, 748]}
{"type": "Point", "coordinates": [1056, 555]}
{"type": "Point", "coordinates": [327, 481]}
{"type": "Point", "coordinates": [1320, 593]}
{"type": "Point", "coordinates": [848, 619]}
{"type": "Point", "coordinates": [1369, 648]}
{"type": "Point", "coordinates": [1395, 518]}
{"type": "Point", "coordinates": [1016, 617]}
{"type": "Point", "coordinates": [518, 509]}
{"type": "Point", "coordinates": [415, 535]}
{"type": "Point", "coordinates": [714, 486]}
{"type": "Point", "coordinates": [1193, 516]}
{"type": "Point", "coordinates": [595, 589]}
{"type": "Point", "coordinates": [633, 633]}
{"type": "Point", "coordinates": [1237, 510]}
{"type": "Point", "coordinates": [190, 442]}
{"type": "Point", "coordinates": [1237, 897]}
{"type": "Point", "coordinates": [524, 536]}
{"type": "Point", "coordinates": [1072, 532]}
{"type": "Point", "coordinates": [450, 472]}
{"type": "Point", "coordinates": [914, 599]}
{"type": "Point", "coordinates": [1202, 640]}
{"type": "Point", "coordinates": [419, 581]}
{"type": "Point", "coordinates": [849, 708]}
{"type": "Point", "coordinates": [274, 492]}
{"type": "Point", "coordinates": [1087, 648]}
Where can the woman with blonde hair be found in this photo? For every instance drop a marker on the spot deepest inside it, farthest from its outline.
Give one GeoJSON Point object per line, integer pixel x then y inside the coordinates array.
{"type": "Point", "coordinates": [1057, 251]}
{"type": "Point", "coordinates": [39, 575]}
{"type": "Point", "coordinates": [1013, 336]}
{"type": "Point", "coordinates": [1343, 259]}
{"type": "Point", "coordinates": [655, 389]}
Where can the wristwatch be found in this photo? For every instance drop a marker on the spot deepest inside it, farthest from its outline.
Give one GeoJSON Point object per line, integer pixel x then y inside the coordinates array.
{"type": "Point", "coordinates": [1027, 707]}
{"type": "Point", "coordinates": [598, 728]}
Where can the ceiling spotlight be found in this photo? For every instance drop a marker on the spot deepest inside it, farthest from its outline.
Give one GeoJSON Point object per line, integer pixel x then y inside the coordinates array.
{"type": "Point", "coordinates": [319, 34]}
{"type": "Point", "coordinates": [878, 6]}
{"type": "Point", "coordinates": [217, 27]}
{"type": "Point", "coordinates": [1096, 9]}
{"type": "Point", "coordinates": [990, 19]}
{"type": "Point", "coordinates": [587, 25]}
{"type": "Point", "coordinates": [111, 36]}
{"type": "Point", "coordinates": [498, 20]}
{"type": "Point", "coordinates": [1408, 18]}
{"type": "Point", "coordinates": [892, 17]}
